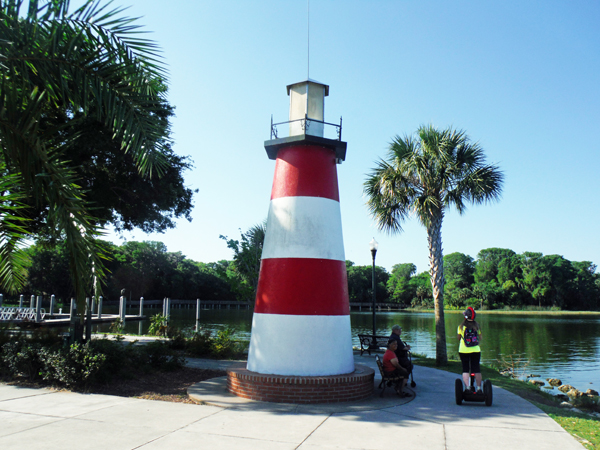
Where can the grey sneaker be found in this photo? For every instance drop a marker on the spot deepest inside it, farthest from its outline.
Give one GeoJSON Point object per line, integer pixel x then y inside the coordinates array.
{"type": "Point", "coordinates": [479, 391]}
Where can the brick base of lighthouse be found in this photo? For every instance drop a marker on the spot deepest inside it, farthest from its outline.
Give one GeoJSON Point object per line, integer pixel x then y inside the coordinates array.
{"type": "Point", "coordinates": [354, 386]}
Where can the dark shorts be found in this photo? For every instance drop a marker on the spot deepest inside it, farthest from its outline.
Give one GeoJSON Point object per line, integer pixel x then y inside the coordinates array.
{"type": "Point", "coordinates": [405, 362]}
{"type": "Point", "coordinates": [470, 362]}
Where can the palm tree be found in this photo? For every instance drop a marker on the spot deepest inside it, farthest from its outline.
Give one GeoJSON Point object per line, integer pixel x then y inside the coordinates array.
{"type": "Point", "coordinates": [247, 257]}
{"type": "Point", "coordinates": [424, 175]}
{"type": "Point", "coordinates": [74, 66]}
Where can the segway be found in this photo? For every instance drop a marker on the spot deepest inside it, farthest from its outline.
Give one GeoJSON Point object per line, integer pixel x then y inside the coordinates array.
{"type": "Point", "coordinates": [471, 395]}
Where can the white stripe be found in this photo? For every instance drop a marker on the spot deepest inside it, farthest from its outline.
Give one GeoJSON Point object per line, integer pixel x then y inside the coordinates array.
{"type": "Point", "coordinates": [304, 227]}
{"type": "Point", "coordinates": [300, 345]}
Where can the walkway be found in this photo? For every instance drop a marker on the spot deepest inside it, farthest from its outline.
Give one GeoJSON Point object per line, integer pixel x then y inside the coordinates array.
{"type": "Point", "coordinates": [49, 420]}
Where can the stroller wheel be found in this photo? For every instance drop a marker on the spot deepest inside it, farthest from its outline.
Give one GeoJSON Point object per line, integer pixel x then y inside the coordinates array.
{"type": "Point", "coordinates": [413, 384]}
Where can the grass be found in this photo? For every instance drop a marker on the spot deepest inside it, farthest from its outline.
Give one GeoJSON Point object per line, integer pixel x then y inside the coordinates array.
{"type": "Point", "coordinates": [585, 428]}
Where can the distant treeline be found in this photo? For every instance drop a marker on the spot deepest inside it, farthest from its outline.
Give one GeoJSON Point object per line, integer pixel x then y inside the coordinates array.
{"type": "Point", "coordinates": [143, 269]}
{"type": "Point", "coordinates": [498, 278]}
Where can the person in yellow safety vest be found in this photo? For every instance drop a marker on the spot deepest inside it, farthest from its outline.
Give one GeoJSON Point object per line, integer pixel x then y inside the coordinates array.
{"type": "Point", "coordinates": [469, 335]}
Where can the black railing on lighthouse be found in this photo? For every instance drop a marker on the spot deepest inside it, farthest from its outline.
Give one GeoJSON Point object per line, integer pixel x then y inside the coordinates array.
{"type": "Point", "coordinates": [305, 124]}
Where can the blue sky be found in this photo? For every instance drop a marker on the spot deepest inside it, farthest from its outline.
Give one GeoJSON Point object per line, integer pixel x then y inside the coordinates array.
{"type": "Point", "coordinates": [520, 77]}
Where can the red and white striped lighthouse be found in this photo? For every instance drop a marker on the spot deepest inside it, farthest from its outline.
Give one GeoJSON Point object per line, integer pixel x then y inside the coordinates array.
{"type": "Point", "coordinates": [301, 322]}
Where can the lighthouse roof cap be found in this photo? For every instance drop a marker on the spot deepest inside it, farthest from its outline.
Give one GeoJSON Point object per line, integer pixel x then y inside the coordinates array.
{"type": "Point", "coordinates": [309, 80]}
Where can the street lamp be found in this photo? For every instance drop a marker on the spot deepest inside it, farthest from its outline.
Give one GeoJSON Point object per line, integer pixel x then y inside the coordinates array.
{"type": "Point", "coordinates": [373, 245]}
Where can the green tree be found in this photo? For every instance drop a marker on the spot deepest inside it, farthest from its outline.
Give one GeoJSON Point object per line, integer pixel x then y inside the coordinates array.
{"type": "Point", "coordinates": [536, 276]}
{"type": "Point", "coordinates": [459, 269]}
{"type": "Point", "coordinates": [122, 196]}
{"type": "Point", "coordinates": [247, 254]}
{"type": "Point", "coordinates": [562, 276]}
{"type": "Point", "coordinates": [488, 262]}
{"type": "Point", "coordinates": [425, 175]}
{"type": "Point", "coordinates": [146, 269]}
{"type": "Point", "coordinates": [421, 284]}
{"type": "Point", "coordinates": [142, 268]}
{"type": "Point", "coordinates": [210, 285]}
{"type": "Point", "coordinates": [48, 272]}
{"type": "Point", "coordinates": [458, 274]}
{"type": "Point", "coordinates": [588, 292]}
{"type": "Point", "coordinates": [360, 283]}
{"type": "Point", "coordinates": [487, 293]}
{"type": "Point", "coordinates": [89, 63]}
{"type": "Point", "coordinates": [398, 284]}
{"type": "Point", "coordinates": [510, 269]}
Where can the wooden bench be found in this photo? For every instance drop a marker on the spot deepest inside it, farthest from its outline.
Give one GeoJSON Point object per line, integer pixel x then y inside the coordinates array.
{"type": "Point", "coordinates": [386, 380]}
{"type": "Point", "coordinates": [367, 343]}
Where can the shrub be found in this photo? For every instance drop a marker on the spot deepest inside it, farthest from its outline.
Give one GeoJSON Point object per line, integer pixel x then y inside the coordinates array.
{"type": "Point", "coordinates": [200, 343]}
{"type": "Point", "coordinates": [74, 367]}
{"type": "Point", "coordinates": [158, 325]}
{"type": "Point", "coordinates": [220, 345]}
{"type": "Point", "coordinates": [223, 346]}
{"type": "Point", "coordinates": [23, 358]}
{"type": "Point", "coordinates": [160, 356]}
{"type": "Point", "coordinates": [117, 326]}
{"type": "Point", "coordinates": [122, 360]}
{"type": "Point", "coordinates": [4, 335]}
{"type": "Point", "coordinates": [177, 338]}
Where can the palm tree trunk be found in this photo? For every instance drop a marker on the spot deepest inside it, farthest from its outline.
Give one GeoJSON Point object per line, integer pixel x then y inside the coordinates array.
{"type": "Point", "coordinates": [436, 270]}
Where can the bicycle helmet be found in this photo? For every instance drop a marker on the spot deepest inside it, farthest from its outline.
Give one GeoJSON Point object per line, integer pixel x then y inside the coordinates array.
{"type": "Point", "coordinates": [469, 313]}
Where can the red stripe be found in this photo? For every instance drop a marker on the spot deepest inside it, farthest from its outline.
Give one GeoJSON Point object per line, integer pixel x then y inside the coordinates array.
{"type": "Point", "coordinates": [302, 286]}
{"type": "Point", "coordinates": [306, 171]}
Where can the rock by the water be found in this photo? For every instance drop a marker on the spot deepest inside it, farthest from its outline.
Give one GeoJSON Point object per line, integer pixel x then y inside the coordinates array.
{"type": "Point", "coordinates": [554, 382]}
{"type": "Point", "coordinates": [537, 382]}
{"type": "Point", "coordinates": [575, 393]}
{"type": "Point", "coordinates": [563, 397]}
{"type": "Point", "coordinates": [591, 392]}
{"type": "Point", "coordinates": [548, 387]}
{"type": "Point", "coordinates": [565, 388]}
{"type": "Point", "coordinates": [566, 405]}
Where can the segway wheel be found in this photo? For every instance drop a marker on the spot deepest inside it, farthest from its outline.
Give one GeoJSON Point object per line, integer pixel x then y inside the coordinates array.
{"type": "Point", "coordinates": [487, 391]}
{"type": "Point", "coordinates": [458, 391]}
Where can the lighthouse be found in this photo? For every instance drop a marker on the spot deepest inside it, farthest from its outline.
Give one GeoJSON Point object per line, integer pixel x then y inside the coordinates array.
{"type": "Point", "coordinates": [301, 321]}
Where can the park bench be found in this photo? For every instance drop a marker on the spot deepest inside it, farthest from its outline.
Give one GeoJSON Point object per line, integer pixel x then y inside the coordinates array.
{"type": "Point", "coordinates": [386, 380]}
{"type": "Point", "coordinates": [367, 343]}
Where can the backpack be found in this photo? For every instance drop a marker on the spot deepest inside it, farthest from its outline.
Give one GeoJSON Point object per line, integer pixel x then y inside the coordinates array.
{"type": "Point", "coordinates": [471, 337]}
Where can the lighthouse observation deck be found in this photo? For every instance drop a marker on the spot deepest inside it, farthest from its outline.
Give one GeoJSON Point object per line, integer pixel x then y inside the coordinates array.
{"type": "Point", "coordinates": [306, 124]}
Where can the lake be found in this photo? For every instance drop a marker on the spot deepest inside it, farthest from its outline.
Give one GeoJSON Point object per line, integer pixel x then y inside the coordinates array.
{"type": "Point", "coordinates": [552, 346]}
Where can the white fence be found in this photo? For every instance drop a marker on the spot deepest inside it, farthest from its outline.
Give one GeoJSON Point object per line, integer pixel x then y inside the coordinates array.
{"type": "Point", "coordinates": [20, 314]}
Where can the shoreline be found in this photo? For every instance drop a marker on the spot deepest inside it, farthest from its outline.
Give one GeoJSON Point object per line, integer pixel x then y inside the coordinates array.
{"type": "Point", "coordinates": [502, 311]}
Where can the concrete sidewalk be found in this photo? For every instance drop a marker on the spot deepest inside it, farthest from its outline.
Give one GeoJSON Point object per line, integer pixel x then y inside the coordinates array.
{"type": "Point", "coordinates": [47, 420]}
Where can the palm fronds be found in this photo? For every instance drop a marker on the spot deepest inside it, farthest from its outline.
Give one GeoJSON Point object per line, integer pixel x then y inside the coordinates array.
{"type": "Point", "coordinates": [91, 62]}
{"type": "Point", "coordinates": [13, 261]}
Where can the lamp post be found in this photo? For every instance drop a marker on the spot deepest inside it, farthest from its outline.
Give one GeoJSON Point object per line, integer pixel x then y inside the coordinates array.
{"type": "Point", "coordinates": [373, 245]}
